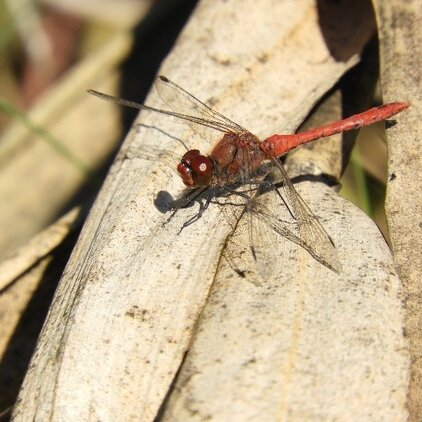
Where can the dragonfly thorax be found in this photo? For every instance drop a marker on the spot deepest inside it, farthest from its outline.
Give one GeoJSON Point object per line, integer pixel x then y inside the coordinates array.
{"type": "Point", "coordinates": [236, 157]}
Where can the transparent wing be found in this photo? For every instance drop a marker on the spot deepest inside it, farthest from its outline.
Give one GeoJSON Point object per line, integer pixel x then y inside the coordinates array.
{"type": "Point", "coordinates": [260, 226]}
{"type": "Point", "coordinates": [262, 238]}
{"type": "Point", "coordinates": [250, 248]}
{"type": "Point", "coordinates": [180, 101]}
{"type": "Point", "coordinates": [311, 234]}
{"type": "Point", "coordinates": [201, 118]}
{"type": "Point", "coordinates": [188, 119]}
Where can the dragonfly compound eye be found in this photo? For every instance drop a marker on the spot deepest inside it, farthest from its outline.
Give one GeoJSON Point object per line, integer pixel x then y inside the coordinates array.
{"type": "Point", "coordinates": [201, 170]}
{"type": "Point", "coordinates": [195, 169]}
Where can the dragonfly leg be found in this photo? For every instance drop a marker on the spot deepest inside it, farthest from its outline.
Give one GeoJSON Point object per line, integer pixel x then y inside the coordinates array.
{"type": "Point", "coordinates": [203, 206]}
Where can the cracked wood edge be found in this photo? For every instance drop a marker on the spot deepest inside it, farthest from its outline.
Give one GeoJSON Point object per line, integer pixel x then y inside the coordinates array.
{"type": "Point", "coordinates": [400, 36]}
{"type": "Point", "coordinates": [37, 248]}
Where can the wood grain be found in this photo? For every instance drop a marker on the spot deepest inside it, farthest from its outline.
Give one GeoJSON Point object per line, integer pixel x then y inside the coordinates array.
{"type": "Point", "coordinates": [135, 299]}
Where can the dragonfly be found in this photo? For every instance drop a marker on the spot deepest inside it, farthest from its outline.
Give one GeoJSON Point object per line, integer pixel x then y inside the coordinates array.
{"type": "Point", "coordinates": [240, 165]}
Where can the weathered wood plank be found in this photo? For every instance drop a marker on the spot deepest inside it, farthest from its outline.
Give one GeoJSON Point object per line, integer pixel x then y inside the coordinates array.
{"type": "Point", "coordinates": [127, 308]}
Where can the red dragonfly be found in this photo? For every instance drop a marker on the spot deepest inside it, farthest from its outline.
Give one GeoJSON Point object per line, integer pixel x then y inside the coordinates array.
{"type": "Point", "coordinates": [239, 163]}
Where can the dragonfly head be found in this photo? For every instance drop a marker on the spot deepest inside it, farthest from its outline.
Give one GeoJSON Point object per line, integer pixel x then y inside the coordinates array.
{"type": "Point", "coordinates": [195, 169]}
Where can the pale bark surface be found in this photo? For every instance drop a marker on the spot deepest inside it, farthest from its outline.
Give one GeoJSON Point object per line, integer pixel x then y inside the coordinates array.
{"type": "Point", "coordinates": [400, 36]}
{"type": "Point", "coordinates": [307, 344]}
